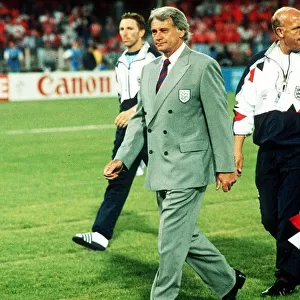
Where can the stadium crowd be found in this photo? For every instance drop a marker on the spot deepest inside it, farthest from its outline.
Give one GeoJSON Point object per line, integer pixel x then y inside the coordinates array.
{"type": "Point", "coordinates": [229, 31]}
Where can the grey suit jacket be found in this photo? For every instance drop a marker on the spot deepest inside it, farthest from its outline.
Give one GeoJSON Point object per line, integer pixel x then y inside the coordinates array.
{"type": "Point", "coordinates": [189, 131]}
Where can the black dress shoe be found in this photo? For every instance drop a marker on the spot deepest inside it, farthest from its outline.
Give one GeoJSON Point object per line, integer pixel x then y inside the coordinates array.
{"type": "Point", "coordinates": [239, 282]}
{"type": "Point", "coordinates": [281, 287]}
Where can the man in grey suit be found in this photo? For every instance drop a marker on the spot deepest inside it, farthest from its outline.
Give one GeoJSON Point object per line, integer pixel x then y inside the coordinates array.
{"type": "Point", "coordinates": [183, 107]}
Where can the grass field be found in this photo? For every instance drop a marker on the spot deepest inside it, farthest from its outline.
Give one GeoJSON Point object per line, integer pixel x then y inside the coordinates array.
{"type": "Point", "coordinates": [51, 186]}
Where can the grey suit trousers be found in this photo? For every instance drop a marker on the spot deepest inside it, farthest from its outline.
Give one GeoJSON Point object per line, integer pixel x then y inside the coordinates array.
{"type": "Point", "coordinates": [180, 240]}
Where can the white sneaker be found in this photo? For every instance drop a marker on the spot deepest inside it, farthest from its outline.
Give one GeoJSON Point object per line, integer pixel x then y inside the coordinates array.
{"type": "Point", "coordinates": [91, 240]}
{"type": "Point", "coordinates": [140, 169]}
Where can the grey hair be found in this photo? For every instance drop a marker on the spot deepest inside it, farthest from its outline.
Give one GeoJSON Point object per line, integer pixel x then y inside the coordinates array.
{"type": "Point", "coordinates": [177, 16]}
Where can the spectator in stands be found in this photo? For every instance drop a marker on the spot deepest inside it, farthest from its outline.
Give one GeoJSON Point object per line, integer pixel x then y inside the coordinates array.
{"type": "Point", "coordinates": [67, 36]}
{"type": "Point", "coordinates": [16, 28]}
{"type": "Point", "coordinates": [224, 56]}
{"type": "Point", "coordinates": [212, 22]}
{"type": "Point", "coordinates": [3, 35]}
{"type": "Point", "coordinates": [31, 40]}
{"type": "Point", "coordinates": [96, 30]}
{"type": "Point", "coordinates": [100, 56]}
{"type": "Point", "coordinates": [51, 37]}
{"type": "Point", "coordinates": [213, 52]}
{"type": "Point", "coordinates": [47, 22]}
{"type": "Point", "coordinates": [88, 58]}
{"type": "Point", "coordinates": [109, 28]}
{"type": "Point", "coordinates": [14, 57]}
{"type": "Point", "coordinates": [48, 58]}
{"type": "Point", "coordinates": [74, 55]}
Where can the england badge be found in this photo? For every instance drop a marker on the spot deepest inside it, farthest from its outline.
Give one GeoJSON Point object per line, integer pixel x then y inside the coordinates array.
{"type": "Point", "coordinates": [297, 92]}
{"type": "Point", "coordinates": [184, 95]}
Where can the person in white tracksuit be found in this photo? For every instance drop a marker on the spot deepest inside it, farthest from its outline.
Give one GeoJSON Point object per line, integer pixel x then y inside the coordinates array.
{"type": "Point", "coordinates": [128, 72]}
{"type": "Point", "coordinates": [268, 100]}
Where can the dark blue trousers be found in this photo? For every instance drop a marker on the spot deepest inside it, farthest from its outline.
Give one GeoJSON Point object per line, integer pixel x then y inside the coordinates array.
{"type": "Point", "coordinates": [117, 191]}
{"type": "Point", "coordinates": [278, 183]}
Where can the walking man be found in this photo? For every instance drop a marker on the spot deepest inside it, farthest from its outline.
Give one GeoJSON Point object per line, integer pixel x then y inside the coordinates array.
{"type": "Point", "coordinates": [183, 107]}
{"type": "Point", "coordinates": [268, 100]}
{"type": "Point", "coordinates": [132, 29]}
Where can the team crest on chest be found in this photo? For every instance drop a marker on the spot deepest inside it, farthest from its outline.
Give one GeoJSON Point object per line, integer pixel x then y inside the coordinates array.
{"type": "Point", "coordinates": [297, 92]}
{"type": "Point", "coordinates": [184, 95]}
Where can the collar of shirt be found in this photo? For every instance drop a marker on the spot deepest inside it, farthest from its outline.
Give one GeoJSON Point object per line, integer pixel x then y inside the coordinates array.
{"type": "Point", "coordinates": [173, 58]}
{"type": "Point", "coordinates": [130, 56]}
{"type": "Point", "coordinates": [284, 61]}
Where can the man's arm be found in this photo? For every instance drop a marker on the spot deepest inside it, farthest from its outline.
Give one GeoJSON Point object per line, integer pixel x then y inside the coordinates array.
{"type": "Point", "coordinates": [238, 153]}
{"type": "Point", "coordinates": [121, 121]}
{"type": "Point", "coordinates": [112, 169]}
{"type": "Point", "coordinates": [215, 104]}
{"type": "Point", "coordinates": [134, 138]}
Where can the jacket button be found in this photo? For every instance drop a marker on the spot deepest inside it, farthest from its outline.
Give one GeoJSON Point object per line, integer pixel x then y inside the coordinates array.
{"type": "Point", "coordinates": [165, 131]}
{"type": "Point", "coordinates": [170, 111]}
{"type": "Point", "coordinates": [166, 153]}
{"type": "Point", "coordinates": [150, 151]}
{"type": "Point", "coordinates": [149, 130]}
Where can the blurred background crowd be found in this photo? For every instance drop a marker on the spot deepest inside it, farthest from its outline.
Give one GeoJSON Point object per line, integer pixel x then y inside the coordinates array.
{"type": "Point", "coordinates": [39, 35]}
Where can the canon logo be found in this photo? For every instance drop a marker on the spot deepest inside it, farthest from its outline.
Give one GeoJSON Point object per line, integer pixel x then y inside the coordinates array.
{"type": "Point", "coordinates": [49, 85]}
{"type": "Point", "coordinates": [3, 87]}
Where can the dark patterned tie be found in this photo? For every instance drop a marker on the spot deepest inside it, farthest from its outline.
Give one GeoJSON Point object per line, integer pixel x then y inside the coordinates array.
{"type": "Point", "coordinates": [163, 74]}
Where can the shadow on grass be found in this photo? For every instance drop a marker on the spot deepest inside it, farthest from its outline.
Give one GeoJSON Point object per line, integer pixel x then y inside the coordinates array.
{"type": "Point", "coordinates": [138, 275]}
{"type": "Point", "coordinates": [132, 273]}
{"type": "Point", "coordinates": [254, 257]}
{"type": "Point", "coordinates": [131, 221]}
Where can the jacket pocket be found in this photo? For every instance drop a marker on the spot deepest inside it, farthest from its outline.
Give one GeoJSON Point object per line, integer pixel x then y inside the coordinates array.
{"type": "Point", "coordinates": [193, 146]}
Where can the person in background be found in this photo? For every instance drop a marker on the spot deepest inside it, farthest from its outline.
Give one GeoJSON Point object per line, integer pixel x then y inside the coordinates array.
{"type": "Point", "coordinates": [132, 30]}
{"type": "Point", "coordinates": [88, 58]}
{"type": "Point", "coordinates": [98, 55]}
{"type": "Point", "coordinates": [268, 100]}
{"type": "Point", "coordinates": [14, 57]}
{"type": "Point", "coordinates": [48, 57]}
{"type": "Point", "coordinates": [183, 108]}
{"type": "Point", "coordinates": [74, 55]}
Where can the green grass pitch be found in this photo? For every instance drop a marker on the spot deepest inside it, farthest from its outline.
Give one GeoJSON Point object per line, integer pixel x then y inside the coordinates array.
{"type": "Point", "coordinates": [51, 165]}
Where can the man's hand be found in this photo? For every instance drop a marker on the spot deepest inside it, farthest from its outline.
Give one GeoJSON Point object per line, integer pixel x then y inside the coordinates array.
{"type": "Point", "coordinates": [239, 161]}
{"type": "Point", "coordinates": [123, 117]}
{"type": "Point", "coordinates": [226, 180]}
{"type": "Point", "coordinates": [238, 153]}
{"type": "Point", "coordinates": [112, 169]}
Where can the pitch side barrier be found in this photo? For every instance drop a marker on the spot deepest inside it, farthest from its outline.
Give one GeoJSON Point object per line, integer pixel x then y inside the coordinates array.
{"type": "Point", "coordinates": [232, 76]}
{"type": "Point", "coordinates": [72, 85]}
{"type": "Point", "coordinates": [57, 85]}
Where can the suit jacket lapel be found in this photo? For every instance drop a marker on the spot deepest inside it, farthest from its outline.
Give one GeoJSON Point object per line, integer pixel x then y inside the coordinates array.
{"type": "Point", "coordinates": [178, 70]}
{"type": "Point", "coordinates": [154, 75]}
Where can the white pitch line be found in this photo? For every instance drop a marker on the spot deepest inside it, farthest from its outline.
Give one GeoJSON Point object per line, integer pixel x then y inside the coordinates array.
{"type": "Point", "coordinates": [60, 129]}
